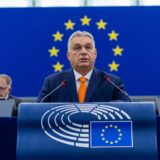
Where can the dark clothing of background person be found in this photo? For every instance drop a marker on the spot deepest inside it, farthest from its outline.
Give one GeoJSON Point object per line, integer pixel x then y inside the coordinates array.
{"type": "Point", "coordinates": [15, 107]}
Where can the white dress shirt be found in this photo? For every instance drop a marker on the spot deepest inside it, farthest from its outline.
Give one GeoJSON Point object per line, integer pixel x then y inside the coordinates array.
{"type": "Point", "coordinates": [77, 77]}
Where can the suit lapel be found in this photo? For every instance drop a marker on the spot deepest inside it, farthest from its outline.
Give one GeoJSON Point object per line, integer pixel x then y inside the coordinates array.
{"type": "Point", "coordinates": [71, 85]}
{"type": "Point", "coordinates": [93, 84]}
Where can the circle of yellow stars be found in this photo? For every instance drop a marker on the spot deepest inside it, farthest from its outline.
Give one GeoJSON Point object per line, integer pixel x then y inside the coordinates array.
{"type": "Point", "coordinates": [106, 129]}
{"type": "Point", "coordinates": [86, 21]}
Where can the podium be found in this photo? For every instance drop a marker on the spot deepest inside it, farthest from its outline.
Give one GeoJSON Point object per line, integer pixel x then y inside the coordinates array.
{"type": "Point", "coordinates": [90, 131]}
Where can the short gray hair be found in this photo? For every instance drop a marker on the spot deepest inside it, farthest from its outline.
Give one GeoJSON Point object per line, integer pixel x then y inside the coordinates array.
{"type": "Point", "coordinates": [7, 78]}
{"type": "Point", "coordinates": [80, 33]}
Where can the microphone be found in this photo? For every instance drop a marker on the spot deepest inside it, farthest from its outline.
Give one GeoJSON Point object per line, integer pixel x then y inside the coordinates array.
{"type": "Point", "coordinates": [107, 78]}
{"type": "Point", "coordinates": [63, 83]}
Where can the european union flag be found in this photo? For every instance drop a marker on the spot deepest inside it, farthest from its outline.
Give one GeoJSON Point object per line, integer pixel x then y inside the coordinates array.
{"type": "Point", "coordinates": [34, 44]}
{"type": "Point", "coordinates": [111, 134]}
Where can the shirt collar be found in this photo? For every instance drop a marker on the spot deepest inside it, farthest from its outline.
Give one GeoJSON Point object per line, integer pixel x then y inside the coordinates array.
{"type": "Point", "coordinates": [78, 75]}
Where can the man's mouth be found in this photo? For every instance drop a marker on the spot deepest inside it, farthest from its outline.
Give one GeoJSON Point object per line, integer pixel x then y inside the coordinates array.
{"type": "Point", "coordinates": [83, 60]}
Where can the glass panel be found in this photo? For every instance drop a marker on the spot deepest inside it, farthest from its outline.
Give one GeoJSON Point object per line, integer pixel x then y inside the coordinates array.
{"type": "Point", "coordinates": [15, 3]}
{"type": "Point", "coordinates": [149, 2]}
{"type": "Point", "coordinates": [111, 2]}
{"type": "Point", "coordinates": [49, 3]}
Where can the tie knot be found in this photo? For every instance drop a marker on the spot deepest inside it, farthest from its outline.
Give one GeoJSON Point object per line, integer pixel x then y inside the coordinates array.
{"type": "Point", "coordinates": [82, 79]}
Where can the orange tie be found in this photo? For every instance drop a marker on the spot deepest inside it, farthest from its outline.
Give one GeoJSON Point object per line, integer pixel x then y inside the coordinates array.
{"type": "Point", "coordinates": [82, 89]}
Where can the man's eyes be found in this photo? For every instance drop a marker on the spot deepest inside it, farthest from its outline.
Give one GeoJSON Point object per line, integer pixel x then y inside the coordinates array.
{"type": "Point", "coordinates": [87, 47]}
{"type": "Point", "coordinates": [77, 48]}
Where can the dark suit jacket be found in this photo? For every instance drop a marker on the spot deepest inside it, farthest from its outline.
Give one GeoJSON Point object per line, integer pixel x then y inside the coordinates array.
{"type": "Point", "coordinates": [99, 89]}
{"type": "Point", "coordinates": [15, 107]}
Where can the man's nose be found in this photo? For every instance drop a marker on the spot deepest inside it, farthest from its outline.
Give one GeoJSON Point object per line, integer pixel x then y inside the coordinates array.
{"type": "Point", "coordinates": [83, 50]}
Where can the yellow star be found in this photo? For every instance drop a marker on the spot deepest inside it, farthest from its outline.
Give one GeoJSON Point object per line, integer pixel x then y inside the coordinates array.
{"type": "Point", "coordinates": [58, 67]}
{"type": "Point", "coordinates": [85, 21]}
{"type": "Point", "coordinates": [113, 36]}
{"type": "Point", "coordinates": [53, 51]}
{"type": "Point", "coordinates": [113, 66]}
{"type": "Point", "coordinates": [117, 51]}
{"type": "Point", "coordinates": [101, 24]}
{"type": "Point", "coordinates": [58, 36]}
{"type": "Point", "coordinates": [69, 25]}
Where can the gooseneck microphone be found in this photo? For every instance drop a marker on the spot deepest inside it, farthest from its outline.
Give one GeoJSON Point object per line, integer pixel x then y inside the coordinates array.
{"type": "Point", "coordinates": [62, 84]}
{"type": "Point", "coordinates": [107, 78]}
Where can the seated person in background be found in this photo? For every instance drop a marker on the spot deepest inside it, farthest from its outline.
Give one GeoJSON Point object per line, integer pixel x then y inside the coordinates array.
{"type": "Point", "coordinates": [5, 90]}
{"type": "Point", "coordinates": [83, 82]}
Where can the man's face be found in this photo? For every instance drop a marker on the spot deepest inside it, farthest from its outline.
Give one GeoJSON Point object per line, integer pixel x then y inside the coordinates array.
{"type": "Point", "coordinates": [82, 54]}
{"type": "Point", "coordinates": [4, 88]}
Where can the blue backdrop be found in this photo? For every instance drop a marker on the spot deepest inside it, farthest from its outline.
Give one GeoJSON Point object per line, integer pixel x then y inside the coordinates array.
{"type": "Point", "coordinates": [127, 40]}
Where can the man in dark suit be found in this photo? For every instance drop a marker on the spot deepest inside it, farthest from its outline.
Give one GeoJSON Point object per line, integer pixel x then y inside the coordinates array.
{"type": "Point", "coordinates": [5, 92]}
{"type": "Point", "coordinates": [96, 86]}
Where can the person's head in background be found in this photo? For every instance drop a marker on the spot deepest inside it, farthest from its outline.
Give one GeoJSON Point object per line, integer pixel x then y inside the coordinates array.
{"type": "Point", "coordinates": [5, 85]}
{"type": "Point", "coordinates": [82, 52]}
